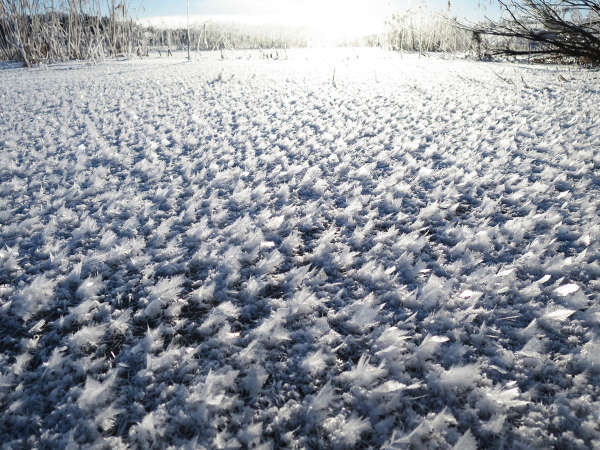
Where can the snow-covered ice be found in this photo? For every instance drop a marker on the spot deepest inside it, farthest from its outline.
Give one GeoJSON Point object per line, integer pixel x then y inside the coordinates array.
{"type": "Point", "coordinates": [338, 249]}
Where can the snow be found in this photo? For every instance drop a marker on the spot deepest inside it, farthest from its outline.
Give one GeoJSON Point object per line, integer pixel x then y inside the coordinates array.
{"type": "Point", "coordinates": [559, 314]}
{"type": "Point", "coordinates": [242, 252]}
{"type": "Point", "coordinates": [566, 289]}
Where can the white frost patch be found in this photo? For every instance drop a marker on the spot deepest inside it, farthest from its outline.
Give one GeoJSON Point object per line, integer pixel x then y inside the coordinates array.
{"type": "Point", "coordinates": [559, 314]}
{"type": "Point", "coordinates": [460, 377]}
{"type": "Point", "coordinates": [364, 374]}
{"type": "Point", "coordinates": [566, 289]}
{"type": "Point", "coordinates": [544, 279]}
{"type": "Point", "coordinates": [506, 272]}
{"type": "Point", "coordinates": [212, 254]}
{"type": "Point", "coordinates": [468, 293]}
{"type": "Point", "coordinates": [90, 287]}
{"type": "Point", "coordinates": [466, 442]}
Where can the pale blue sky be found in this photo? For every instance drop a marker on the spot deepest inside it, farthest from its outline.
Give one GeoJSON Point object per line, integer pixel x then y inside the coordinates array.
{"type": "Point", "coordinates": [472, 9]}
{"type": "Point", "coordinates": [327, 20]}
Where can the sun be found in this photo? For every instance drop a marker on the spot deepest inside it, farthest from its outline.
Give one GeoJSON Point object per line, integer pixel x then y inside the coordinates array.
{"type": "Point", "coordinates": [331, 20]}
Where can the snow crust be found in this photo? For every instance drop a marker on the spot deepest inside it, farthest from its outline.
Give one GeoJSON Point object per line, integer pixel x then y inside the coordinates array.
{"type": "Point", "coordinates": [336, 250]}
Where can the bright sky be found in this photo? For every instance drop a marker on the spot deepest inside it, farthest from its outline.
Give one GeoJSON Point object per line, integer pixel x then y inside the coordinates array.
{"type": "Point", "coordinates": [330, 18]}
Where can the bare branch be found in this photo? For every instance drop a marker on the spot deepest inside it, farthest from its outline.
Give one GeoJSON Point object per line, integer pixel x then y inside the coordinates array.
{"type": "Point", "coordinates": [550, 27]}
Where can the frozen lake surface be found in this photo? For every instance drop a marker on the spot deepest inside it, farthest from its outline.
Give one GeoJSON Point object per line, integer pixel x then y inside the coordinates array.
{"type": "Point", "coordinates": [335, 249]}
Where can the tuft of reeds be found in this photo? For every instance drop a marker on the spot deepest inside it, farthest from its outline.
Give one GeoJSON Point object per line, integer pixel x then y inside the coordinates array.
{"type": "Point", "coordinates": [421, 30]}
{"type": "Point", "coordinates": [35, 31]}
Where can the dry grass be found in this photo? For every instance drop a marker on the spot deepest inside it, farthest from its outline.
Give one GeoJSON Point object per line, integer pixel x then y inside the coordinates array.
{"type": "Point", "coordinates": [32, 31]}
{"type": "Point", "coordinates": [424, 31]}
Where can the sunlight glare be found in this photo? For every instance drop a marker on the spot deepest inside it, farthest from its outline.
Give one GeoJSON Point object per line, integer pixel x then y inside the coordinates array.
{"type": "Point", "coordinates": [332, 20]}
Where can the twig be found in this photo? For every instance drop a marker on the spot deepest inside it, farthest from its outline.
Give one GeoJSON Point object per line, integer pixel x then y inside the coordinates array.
{"type": "Point", "coordinates": [506, 80]}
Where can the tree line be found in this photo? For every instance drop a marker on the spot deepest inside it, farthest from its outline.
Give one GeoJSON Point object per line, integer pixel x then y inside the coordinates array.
{"type": "Point", "coordinates": [38, 31]}
{"type": "Point", "coordinates": [35, 31]}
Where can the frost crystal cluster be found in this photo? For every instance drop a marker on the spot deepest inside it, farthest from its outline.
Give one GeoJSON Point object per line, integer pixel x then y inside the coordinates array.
{"type": "Point", "coordinates": [249, 253]}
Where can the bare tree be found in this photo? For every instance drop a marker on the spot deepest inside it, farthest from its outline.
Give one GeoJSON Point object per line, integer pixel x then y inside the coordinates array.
{"type": "Point", "coordinates": [546, 27]}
